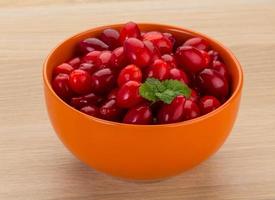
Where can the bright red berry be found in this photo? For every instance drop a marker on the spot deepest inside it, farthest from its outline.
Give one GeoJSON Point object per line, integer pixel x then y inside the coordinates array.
{"type": "Point", "coordinates": [129, 30]}
{"type": "Point", "coordinates": [80, 81]}
{"type": "Point", "coordinates": [159, 70]}
{"type": "Point", "coordinates": [171, 113]}
{"type": "Point", "coordinates": [170, 60]}
{"type": "Point", "coordinates": [163, 44]}
{"type": "Point", "coordinates": [118, 59]}
{"type": "Point", "coordinates": [61, 86]}
{"type": "Point", "coordinates": [129, 73]}
{"type": "Point", "coordinates": [128, 95]}
{"type": "Point", "coordinates": [191, 58]}
{"type": "Point", "coordinates": [136, 52]}
{"type": "Point", "coordinates": [178, 74]}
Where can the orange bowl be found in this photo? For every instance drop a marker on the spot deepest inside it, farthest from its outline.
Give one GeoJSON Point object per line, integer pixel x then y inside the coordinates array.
{"type": "Point", "coordinates": [141, 152]}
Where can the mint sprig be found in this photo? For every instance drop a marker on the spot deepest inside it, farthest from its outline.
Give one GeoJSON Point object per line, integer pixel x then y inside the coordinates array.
{"type": "Point", "coordinates": [154, 90]}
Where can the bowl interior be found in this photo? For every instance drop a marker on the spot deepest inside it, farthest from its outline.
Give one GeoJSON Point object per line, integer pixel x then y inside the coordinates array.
{"type": "Point", "coordinates": [66, 50]}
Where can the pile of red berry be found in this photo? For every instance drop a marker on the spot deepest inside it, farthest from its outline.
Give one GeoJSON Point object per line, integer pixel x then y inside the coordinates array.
{"type": "Point", "coordinates": [139, 77]}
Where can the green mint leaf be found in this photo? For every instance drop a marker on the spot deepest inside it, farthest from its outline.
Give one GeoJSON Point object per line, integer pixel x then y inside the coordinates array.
{"type": "Point", "coordinates": [154, 90]}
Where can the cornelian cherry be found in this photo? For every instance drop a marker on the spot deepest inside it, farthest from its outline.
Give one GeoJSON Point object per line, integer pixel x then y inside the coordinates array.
{"type": "Point", "coordinates": [208, 104]}
{"type": "Point", "coordinates": [61, 86]}
{"type": "Point", "coordinates": [198, 43]}
{"type": "Point", "coordinates": [129, 73]}
{"type": "Point", "coordinates": [128, 95]}
{"type": "Point", "coordinates": [129, 30]}
{"type": "Point", "coordinates": [80, 81]}
{"type": "Point", "coordinates": [90, 110]}
{"type": "Point", "coordinates": [110, 37]}
{"type": "Point", "coordinates": [118, 59]}
{"type": "Point", "coordinates": [190, 110]}
{"type": "Point", "coordinates": [138, 115]}
{"type": "Point", "coordinates": [159, 70]}
{"type": "Point", "coordinates": [64, 68]}
{"type": "Point", "coordinates": [178, 74]}
{"type": "Point", "coordinates": [103, 81]}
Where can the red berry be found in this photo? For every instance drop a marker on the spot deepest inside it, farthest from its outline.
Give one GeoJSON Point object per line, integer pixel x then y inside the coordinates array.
{"type": "Point", "coordinates": [194, 96]}
{"type": "Point", "coordinates": [170, 113]}
{"type": "Point", "coordinates": [208, 104]}
{"type": "Point", "coordinates": [190, 110]}
{"type": "Point", "coordinates": [85, 100]}
{"type": "Point", "coordinates": [103, 59]}
{"type": "Point", "coordinates": [159, 70]}
{"type": "Point", "coordinates": [163, 44]}
{"type": "Point", "coordinates": [136, 52]}
{"type": "Point", "coordinates": [110, 37]}
{"type": "Point", "coordinates": [178, 74]}
{"type": "Point", "coordinates": [103, 80]}
{"type": "Point", "coordinates": [91, 44]}
{"type": "Point", "coordinates": [118, 58]}
{"type": "Point", "coordinates": [191, 58]}
{"type": "Point", "coordinates": [88, 67]}
{"type": "Point", "coordinates": [75, 62]}
{"type": "Point", "coordinates": [110, 111]}
{"type": "Point", "coordinates": [128, 95]}
{"type": "Point", "coordinates": [214, 55]}
{"type": "Point", "coordinates": [64, 68]}
{"type": "Point", "coordinates": [154, 52]}
{"type": "Point", "coordinates": [198, 43]}
{"type": "Point", "coordinates": [129, 73]}
{"type": "Point", "coordinates": [80, 81]}
{"type": "Point", "coordinates": [138, 115]}
{"type": "Point", "coordinates": [90, 110]}
{"type": "Point", "coordinates": [170, 60]}
{"type": "Point", "coordinates": [61, 86]}
{"type": "Point", "coordinates": [129, 30]}
{"type": "Point", "coordinates": [91, 57]}
{"type": "Point", "coordinates": [212, 83]}
{"type": "Point", "coordinates": [220, 68]}
{"type": "Point", "coordinates": [170, 37]}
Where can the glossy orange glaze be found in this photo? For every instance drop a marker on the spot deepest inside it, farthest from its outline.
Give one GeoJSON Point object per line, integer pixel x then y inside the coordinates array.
{"type": "Point", "coordinates": [141, 152]}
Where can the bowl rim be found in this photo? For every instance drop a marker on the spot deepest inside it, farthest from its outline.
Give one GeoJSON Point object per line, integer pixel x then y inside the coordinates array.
{"type": "Point", "coordinates": [171, 27]}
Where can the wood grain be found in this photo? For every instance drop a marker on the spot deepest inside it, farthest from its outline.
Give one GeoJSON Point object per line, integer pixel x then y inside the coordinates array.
{"type": "Point", "coordinates": [35, 165]}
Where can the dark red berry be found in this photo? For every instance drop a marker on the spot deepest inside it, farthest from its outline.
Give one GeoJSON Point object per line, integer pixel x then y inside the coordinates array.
{"type": "Point", "coordinates": [171, 113]}
{"type": "Point", "coordinates": [208, 104]}
{"type": "Point", "coordinates": [198, 43]}
{"type": "Point", "coordinates": [85, 100]}
{"type": "Point", "coordinates": [129, 30]}
{"type": "Point", "coordinates": [138, 115]}
{"type": "Point", "coordinates": [129, 73]}
{"type": "Point", "coordinates": [136, 52]}
{"type": "Point", "coordinates": [191, 58]}
{"type": "Point", "coordinates": [190, 110]}
{"type": "Point", "coordinates": [64, 68]}
{"type": "Point", "coordinates": [112, 94]}
{"type": "Point", "coordinates": [61, 86]}
{"type": "Point", "coordinates": [128, 95]}
{"type": "Point", "coordinates": [110, 37]}
{"type": "Point", "coordinates": [91, 44]}
{"type": "Point", "coordinates": [80, 81]}
{"type": "Point", "coordinates": [103, 81]}
{"type": "Point", "coordinates": [110, 110]}
{"type": "Point", "coordinates": [90, 110]}
{"type": "Point", "coordinates": [212, 83]}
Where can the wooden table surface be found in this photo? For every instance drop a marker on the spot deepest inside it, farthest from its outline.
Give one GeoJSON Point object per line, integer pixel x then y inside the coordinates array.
{"type": "Point", "coordinates": [35, 165]}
